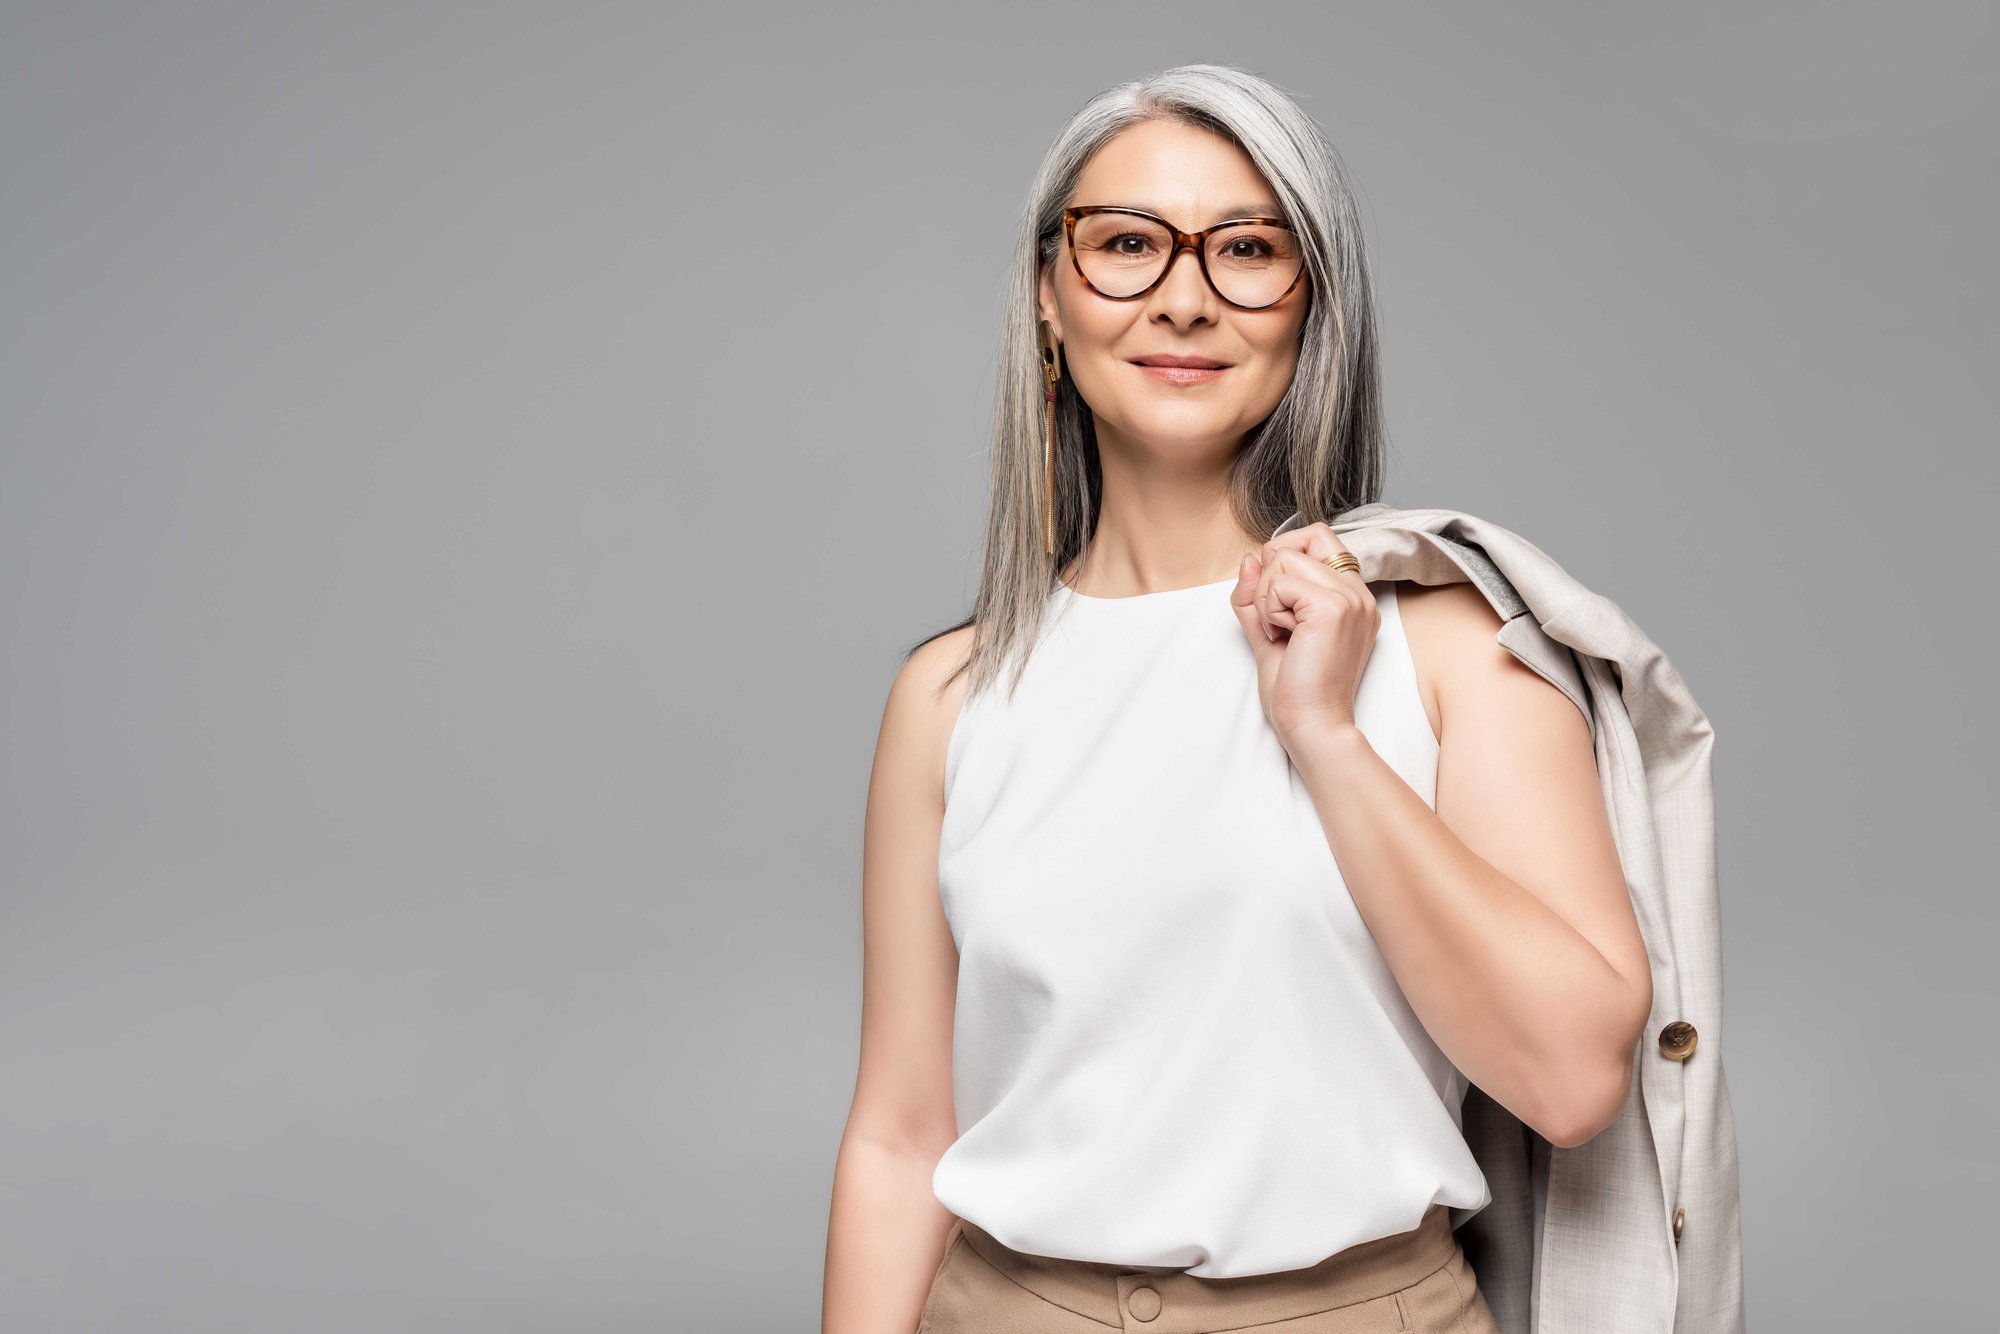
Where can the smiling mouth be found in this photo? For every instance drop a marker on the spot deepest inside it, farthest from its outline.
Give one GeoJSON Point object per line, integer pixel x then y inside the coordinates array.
{"type": "Point", "coordinates": [1181, 374]}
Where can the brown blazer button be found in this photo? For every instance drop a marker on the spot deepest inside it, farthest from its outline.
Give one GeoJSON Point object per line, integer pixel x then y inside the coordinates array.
{"type": "Point", "coordinates": [1679, 1214]}
{"type": "Point", "coordinates": [1677, 1040]}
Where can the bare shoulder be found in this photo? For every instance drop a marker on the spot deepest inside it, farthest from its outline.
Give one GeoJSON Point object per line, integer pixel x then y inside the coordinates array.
{"type": "Point", "coordinates": [1456, 608]}
{"type": "Point", "coordinates": [1449, 627]}
{"type": "Point", "coordinates": [923, 704]}
{"type": "Point", "coordinates": [1452, 631]}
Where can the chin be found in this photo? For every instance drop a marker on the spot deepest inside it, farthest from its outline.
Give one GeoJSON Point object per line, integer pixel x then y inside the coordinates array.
{"type": "Point", "coordinates": [1193, 426]}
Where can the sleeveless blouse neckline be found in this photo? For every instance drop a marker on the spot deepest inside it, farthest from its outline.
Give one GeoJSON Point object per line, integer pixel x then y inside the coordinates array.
{"type": "Point", "coordinates": [1159, 597]}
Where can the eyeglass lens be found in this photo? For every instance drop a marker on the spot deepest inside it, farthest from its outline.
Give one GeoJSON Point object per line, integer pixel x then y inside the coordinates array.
{"type": "Point", "coordinates": [1251, 264]}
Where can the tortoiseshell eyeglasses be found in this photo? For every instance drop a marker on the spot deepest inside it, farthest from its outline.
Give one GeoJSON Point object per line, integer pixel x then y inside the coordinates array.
{"type": "Point", "coordinates": [1124, 253]}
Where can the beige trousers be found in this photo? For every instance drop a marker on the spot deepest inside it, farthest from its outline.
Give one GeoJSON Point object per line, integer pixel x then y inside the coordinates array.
{"type": "Point", "coordinates": [1416, 1282]}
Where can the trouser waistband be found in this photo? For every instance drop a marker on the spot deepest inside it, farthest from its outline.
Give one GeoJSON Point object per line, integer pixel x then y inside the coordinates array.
{"type": "Point", "coordinates": [1106, 1292]}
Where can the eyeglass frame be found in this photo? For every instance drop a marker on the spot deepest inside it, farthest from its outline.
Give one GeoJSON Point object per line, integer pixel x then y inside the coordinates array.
{"type": "Point", "coordinates": [1195, 241]}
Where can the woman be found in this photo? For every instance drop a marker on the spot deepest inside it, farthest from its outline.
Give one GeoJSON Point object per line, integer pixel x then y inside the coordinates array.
{"type": "Point", "coordinates": [1202, 877]}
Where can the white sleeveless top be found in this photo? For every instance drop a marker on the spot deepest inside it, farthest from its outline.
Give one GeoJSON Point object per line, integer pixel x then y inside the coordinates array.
{"type": "Point", "coordinates": [1176, 1044]}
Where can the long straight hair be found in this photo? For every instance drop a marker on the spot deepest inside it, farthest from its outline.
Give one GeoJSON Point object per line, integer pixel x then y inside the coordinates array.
{"type": "Point", "coordinates": [1319, 452]}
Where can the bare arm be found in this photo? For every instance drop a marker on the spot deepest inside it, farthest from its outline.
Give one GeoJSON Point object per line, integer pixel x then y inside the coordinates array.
{"type": "Point", "coordinates": [885, 1235]}
{"type": "Point", "coordinates": [1503, 914]}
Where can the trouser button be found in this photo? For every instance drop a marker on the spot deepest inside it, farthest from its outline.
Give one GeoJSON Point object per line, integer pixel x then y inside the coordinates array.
{"type": "Point", "coordinates": [1143, 1303]}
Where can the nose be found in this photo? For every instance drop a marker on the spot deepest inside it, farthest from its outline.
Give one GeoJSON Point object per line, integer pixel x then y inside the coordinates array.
{"type": "Point", "coordinates": [1184, 294]}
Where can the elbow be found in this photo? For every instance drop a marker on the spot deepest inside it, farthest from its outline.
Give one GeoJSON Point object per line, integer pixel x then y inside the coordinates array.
{"type": "Point", "coordinates": [1587, 1106]}
{"type": "Point", "coordinates": [1591, 1093]}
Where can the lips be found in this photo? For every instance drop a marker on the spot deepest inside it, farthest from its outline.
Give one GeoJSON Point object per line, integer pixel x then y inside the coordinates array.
{"type": "Point", "coordinates": [1181, 362]}
{"type": "Point", "coordinates": [1183, 371]}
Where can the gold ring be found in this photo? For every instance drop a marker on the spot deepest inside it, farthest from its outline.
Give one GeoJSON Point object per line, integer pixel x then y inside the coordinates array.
{"type": "Point", "coordinates": [1344, 561]}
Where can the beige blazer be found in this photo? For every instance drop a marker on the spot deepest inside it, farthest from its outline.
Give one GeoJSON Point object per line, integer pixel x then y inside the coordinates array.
{"type": "Point", "coordinates": [1636, 1231]}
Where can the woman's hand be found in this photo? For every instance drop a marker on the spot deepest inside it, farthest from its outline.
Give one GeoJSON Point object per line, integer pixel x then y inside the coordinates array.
{"type": "Point", "coordinates": [1311, 627]}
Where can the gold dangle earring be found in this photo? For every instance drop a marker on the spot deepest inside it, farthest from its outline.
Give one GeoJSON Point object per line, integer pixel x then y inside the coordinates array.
{"type": "Point", "coordinates": [1051, 372]}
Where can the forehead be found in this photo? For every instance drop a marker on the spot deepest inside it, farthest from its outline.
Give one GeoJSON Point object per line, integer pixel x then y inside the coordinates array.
{"type": "Point", "coordinates": [1187, 175]}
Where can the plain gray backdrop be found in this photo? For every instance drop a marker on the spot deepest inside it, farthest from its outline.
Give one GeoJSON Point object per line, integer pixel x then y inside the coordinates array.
{"type": "Point", "coordinates": [468, 474]}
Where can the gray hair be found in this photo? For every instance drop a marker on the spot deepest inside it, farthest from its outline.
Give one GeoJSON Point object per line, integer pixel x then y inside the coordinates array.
{"type": "Point", "coordinates": [1320, 452]}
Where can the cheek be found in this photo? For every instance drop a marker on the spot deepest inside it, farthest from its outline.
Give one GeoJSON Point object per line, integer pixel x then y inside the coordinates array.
{"type": "Point", "coordinates": [1284, 351]}
{"type": "Point", "coordinates": [1283, 364]}
{"type": "Point", "coordinates": [1089, 359]}
{"type": "Point", "coordinates": [1097, 324]}
{"type": "Point", "coordinates": [1274, 378]}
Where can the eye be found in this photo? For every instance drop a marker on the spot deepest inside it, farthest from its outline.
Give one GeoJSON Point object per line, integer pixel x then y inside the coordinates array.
{"type": "Point", "coordinates": [1130, 243]}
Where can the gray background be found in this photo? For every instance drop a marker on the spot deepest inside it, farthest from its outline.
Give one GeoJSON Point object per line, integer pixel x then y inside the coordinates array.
{"type": "Point", "coordinates": [468, 474]}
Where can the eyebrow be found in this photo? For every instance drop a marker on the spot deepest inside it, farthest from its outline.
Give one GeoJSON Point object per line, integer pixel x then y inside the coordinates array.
{"type": "Point", "coordinates": [1259, 209]}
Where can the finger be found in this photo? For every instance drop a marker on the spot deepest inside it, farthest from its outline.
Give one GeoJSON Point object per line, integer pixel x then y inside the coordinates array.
{"type": "Point", "coordinates": [1289, 590]}
{"type": "Point", "coordinates": [1277, 618]}
{"type": "Point", "coordinates": [1243, 601]}
{"type": "Point", "coordinates": [1273, 607]}
{"type": "Point", "coordinates": [1288, 562]}
{"type": "Point", "coordinates": [1298, 539]}
{"type": "Point", "coordinates": [1316, 540]}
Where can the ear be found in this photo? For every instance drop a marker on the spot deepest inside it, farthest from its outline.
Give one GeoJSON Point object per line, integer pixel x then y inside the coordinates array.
{"type": "Point", "coordinates": [1045, 287]}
